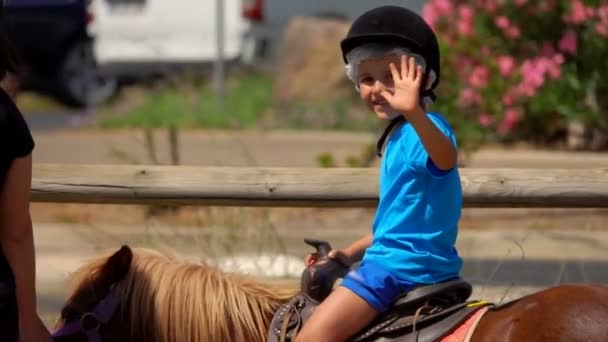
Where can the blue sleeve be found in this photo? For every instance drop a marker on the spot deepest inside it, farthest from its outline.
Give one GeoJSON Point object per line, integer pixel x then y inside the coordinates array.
{"type": "Point", "coordinates": [417, 154]}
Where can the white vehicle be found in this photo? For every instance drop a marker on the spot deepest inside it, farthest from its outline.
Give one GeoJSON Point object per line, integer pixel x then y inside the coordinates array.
{"type": "Point", "coordinates": [268, 19]}
{"type": "Point", "coordinates": [140, 37]}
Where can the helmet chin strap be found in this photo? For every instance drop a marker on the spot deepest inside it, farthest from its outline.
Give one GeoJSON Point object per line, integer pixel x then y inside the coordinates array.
{"type": "Point", "coordinates": [393, 115]}
{"type": "Point", "coordinates": [394, 122]}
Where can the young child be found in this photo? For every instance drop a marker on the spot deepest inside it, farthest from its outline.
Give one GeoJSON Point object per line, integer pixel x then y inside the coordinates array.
{"type": "Point", "coordinates": [392, 56]}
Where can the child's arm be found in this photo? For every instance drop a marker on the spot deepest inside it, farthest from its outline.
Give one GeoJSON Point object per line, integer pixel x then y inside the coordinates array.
{"type": "Point", "coordinates": [355, 251]}
{"type": "Point", "coordinates": [348, 255]}
{"type": "Point", "coordinates": [438, 145]}
{"type": "Point", "coordinates": [405, 98]}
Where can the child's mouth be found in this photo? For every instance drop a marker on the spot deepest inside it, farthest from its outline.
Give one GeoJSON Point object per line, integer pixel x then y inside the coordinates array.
{"type": "Point", "coordinates": [380, 103]}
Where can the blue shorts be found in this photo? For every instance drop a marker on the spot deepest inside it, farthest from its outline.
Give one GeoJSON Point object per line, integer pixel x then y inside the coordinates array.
{"type": "Point", "coordinates": [375, 285]}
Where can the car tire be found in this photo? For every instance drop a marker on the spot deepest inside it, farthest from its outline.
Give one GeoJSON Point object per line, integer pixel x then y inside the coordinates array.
{"type": "Point", "coordinates": [79, 79]}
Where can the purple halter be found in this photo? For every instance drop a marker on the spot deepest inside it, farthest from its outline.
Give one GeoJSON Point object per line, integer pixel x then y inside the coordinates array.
{"type": "Point", "coordinates": [90, 322]}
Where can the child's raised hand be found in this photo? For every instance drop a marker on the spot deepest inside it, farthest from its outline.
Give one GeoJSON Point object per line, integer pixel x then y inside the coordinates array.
{"type": "Point", "coordinates": [405, 98]}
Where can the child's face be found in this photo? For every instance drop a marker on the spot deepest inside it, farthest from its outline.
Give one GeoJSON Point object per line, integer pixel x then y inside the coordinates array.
{"type": "Point", "coordinates": [374, 77]}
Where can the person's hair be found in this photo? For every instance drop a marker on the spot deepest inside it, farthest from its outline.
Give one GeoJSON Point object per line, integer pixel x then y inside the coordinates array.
{"type": "Point", "coordinates": [8, 55]}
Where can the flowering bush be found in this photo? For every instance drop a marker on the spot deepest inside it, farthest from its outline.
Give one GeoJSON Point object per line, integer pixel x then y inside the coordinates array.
{"type": "Point", "coordinates": [520, 68]}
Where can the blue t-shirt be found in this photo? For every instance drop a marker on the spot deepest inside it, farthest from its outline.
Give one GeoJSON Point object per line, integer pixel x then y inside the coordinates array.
{"type": "Point", "coordinates": [416, 222]}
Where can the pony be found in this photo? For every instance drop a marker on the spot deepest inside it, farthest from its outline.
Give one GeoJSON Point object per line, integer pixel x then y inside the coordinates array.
{"type": "Point", "coordinates": [142, 295]}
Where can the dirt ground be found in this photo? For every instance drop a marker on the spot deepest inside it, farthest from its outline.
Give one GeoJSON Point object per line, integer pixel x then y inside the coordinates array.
{"type": "Point", "coordinates": [555, 245]}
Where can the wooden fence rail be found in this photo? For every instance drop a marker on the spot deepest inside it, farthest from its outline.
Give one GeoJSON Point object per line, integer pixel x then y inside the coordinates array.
{"type": "Point", "coordinates": [303, 187]}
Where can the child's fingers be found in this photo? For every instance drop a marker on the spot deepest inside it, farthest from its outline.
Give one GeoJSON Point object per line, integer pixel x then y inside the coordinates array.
{"type": "Point", "coordinates": [387, 96]}
{"type": "Point", "coordinates": [411, 68]}
{"type": "Point", "coordinates": [404, 68]}
{"type": "Point", "coordinates": [339, 256]}
{"type": "Point", "coordinates": [310, 259]}
{"type": "Point", "coordinates": [418, 77]}
{"type": "Point", "coordinates": [394, 72]}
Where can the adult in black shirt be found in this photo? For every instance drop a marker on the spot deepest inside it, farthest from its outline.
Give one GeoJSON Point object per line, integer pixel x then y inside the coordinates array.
{"type": "Point", "coordinates": [19, 320]}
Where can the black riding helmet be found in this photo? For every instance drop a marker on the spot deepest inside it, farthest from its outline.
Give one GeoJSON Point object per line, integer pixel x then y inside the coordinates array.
{"type": "Point", "coordinates": [395, 25]}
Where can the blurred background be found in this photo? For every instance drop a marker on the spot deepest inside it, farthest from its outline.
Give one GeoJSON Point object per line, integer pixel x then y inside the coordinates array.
{"type": "Point", "coordinates": [262, 83]}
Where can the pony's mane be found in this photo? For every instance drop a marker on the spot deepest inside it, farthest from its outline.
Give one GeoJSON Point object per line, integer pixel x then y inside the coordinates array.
{"type": "Point", "coordinates": [169, 300]}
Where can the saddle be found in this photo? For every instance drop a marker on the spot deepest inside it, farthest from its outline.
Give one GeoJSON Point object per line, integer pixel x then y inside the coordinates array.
{"type": "Point", "coordinates": [425, 314]}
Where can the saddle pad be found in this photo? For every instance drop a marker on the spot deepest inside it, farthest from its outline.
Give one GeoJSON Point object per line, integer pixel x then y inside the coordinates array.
{"type": "Point", "coordinates": [464, 332]}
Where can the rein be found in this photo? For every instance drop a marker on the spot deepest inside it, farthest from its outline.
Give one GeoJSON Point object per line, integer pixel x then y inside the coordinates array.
{"type": "Point", "coordinates": [90, 322]}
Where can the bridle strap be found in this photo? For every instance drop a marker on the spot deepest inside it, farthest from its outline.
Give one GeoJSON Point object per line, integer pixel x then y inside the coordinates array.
{"type": "Point", "coordinates": [101, 314]}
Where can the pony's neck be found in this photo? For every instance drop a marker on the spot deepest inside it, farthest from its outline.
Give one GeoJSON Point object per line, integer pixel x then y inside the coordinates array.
{"type": "Point", "coordinates": [178, 301]}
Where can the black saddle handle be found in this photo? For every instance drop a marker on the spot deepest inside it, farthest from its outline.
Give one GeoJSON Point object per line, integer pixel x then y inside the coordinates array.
{"type": "Point", "coordinates": [322, 247]}
{"type": "Point", "coordinates": [319, 278]}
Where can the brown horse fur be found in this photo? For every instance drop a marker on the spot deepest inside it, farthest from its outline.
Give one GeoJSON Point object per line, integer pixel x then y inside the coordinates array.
{"type": "Point", "coordinates": [166, 300]}
{"type": "Point", "coordinates": [567, 313]}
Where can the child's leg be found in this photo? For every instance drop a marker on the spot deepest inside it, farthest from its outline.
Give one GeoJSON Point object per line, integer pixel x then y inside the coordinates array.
{"type": "Point", "coordinates": [341, 315]}
{"type": "Point", "coordinates": [363, 294]}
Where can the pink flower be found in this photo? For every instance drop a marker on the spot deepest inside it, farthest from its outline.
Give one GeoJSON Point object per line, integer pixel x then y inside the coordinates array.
{"type": "Point", "coordinates": [508, 99]}
{"type": "Point", "coordinates": [568, 42]}
{"type": "Point", "coordinates": [554, 71]}
{"type": "Point", "coordinates": [535, 71]}
{"type": "Point", "coordinates": [443, 6]}
{"type": "Point", "coordinates": [504, 128]}
{"type": "Point", "coordinates": [532, 78]}
{"type": "Point", "coordinates": [485, 120]}
{"type": "Point", "coordinates": [513, 32]}
{"type": "Point", "coordinates": [578, 13]}
{"type": "Point", "coordinates": [510, 121]}
{"type": "Point", "coordinates": [520, 2]}
{"type": "Point", "coordinates": [430, 15]}
{"type": "Point", "coordinates": [465, 28]}
{"type": "Point", "coordinates": [558, 58]}
{"type": "Point", "coordinates": [479, 77]}
{"type": "Point", "coordinates": [602, 13]}
{"type": "Point", "coordinates": [601, 29]}
{"type": "Point", "coordinates": [532, 73]}
{"type": "Point", "coordinates": [547, 50]}
{"type": "Point", "coordinates": [526, 89]}
{"type": "Point", "coordinates": [491, 6]}
{"type": "Point", "coordinates": [469, 96]}
{"type": "Point", "coordinates": [502, 22]}
{"type": "Point", "coordinates": [546, 6]}
{"type": "Point", "coordinates": [466, 12]}
{"type": "Point", "coordinates": [512, 116]}
{"type": "Point", "coordinates": [506, 64]}
{"type": "Point", "coordinates": [464, 66]}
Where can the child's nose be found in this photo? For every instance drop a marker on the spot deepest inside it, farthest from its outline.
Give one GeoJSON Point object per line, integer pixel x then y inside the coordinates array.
{"type": "Point", "coordinates": [378, 87]}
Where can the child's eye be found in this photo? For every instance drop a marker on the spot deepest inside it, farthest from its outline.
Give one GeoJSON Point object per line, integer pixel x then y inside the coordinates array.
{"type": "Point", "coordinates": [366, 80]}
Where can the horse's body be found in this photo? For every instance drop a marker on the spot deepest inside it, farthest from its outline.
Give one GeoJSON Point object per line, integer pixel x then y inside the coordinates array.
{"type": "Point", "coordinates": [160, 299]}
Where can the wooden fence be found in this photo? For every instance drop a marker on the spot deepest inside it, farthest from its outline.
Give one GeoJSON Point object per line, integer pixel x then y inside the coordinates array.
{"type": "Point", "coordinates": [303, 187]}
